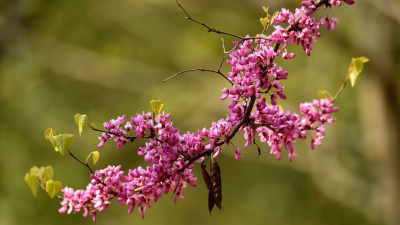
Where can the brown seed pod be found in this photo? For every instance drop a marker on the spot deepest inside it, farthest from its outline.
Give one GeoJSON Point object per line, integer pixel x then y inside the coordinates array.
{"type": "Point", "coordinates": [215, 174]}
{"type": "Point", "coordinates": [211, 202]}
{"type": "Point", "coordinates": [206, 176]}
{"type": "Point", "coordinates": [207, 180]}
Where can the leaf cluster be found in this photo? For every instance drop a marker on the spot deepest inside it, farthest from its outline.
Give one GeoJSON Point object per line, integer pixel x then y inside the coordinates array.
{"type": "Point", "coordinates": [42, 177]}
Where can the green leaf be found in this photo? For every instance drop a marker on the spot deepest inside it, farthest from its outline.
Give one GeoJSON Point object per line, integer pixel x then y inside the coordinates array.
{"type": "Point", "coordinates": [49, 134]}
{"type": "Point", "coordinates": [355, 68]}
{"type": "Point", "coordinates": [265, 9]}
{"type": "Point", "coordinates": [96, 156]}
{"type": "Point", "coordinates": [264, 21]}
{"type": "Point", "coordinates": [51, 139]}
{"type": "Point", "coordinates": [363, 59]}
{"type": "Point", "coordinates": [33, 182]}
{"type": "Point", "coordinates": [46, 173]}
{"type": "Point", "coordinates": [157, 105]}
{"type": "Point", "coordinates": [81, 121]}
{"type": "Point", "coordinates": [322, 94]}
{"type": "Point", "coordinates": [268, 20]}
{"type": "Point", "coordinates": [275, 15]}
{"type": "Point", "coordinates": [52, 188]}
{"type": "Point", "coordinates": [34, 170]}
{"type": "Point", "coordinates": [63, 142]}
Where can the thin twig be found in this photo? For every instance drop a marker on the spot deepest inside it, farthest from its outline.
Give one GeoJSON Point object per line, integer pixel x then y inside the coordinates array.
{"type": "Point", "coordinates": [227, 54]}
{"type": "Point", "coordinates": [209, 29]}
{"type": "Point", "coordinates": [213, 30]}
{"type": "Point", "coordinates": [207, 70]}
{"type": "Point", "coordinates": [199, 69]}
{"type": "Point", "coordinates": [85, 164]}
{"type": "Point", "coordinates": [130, 138]}
{"type": "Point", "coordinates": [340, 89]}
{"type": "Point", "coordinates": [223, 46]}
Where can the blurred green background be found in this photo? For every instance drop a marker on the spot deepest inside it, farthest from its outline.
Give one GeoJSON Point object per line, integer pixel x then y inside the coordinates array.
{"type": "Point", "coordinates": [107, 58]}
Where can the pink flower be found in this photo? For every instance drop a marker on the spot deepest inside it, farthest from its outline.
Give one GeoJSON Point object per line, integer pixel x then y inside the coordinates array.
{"type": "Point", "coordinates": [334, 21]}
{"type": "Point", "coordinates": [238, 154]}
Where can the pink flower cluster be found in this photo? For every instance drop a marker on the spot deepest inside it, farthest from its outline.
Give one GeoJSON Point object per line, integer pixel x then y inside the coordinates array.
{"type": "Point", "coordinates": [253, 71]}
{"type": "Point", "coordinates": [282, 129]}
{"type": "Point", "coordinates": [105, 185]}
{"type": "Point", "coordinates": [171, 153]}
{"type": "Point", "coordinates": [316, 114]}
{"type": "Point", "coordinates": [115, 133]}
{"type": "Point", "coordinates": [304, 32]}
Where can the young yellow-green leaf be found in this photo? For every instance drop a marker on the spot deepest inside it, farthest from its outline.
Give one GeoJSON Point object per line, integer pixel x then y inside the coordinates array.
{"type": "Point", "coordinates": [76, 117]}
{"type": "Point", "coordinates": [363, 59]}
{"type": "Point", "coordinates": [53, 187]}
{"type": "Point", "coordinates": [268, 20]}
{"type": "Point", "coordinates": [81, 121]}
{"type": "Point", "coordinates": [33, 182]}
{"type": "Point", "coordinates": [46, 173]}
{"type": "Point", "coordinates": [266, 10]}
{"type": "Point", "coordinates": [51, 139]}
{"type": "Point", "coordinates": [63, 142]}
{"type": "Point", "coordinates": [264, 21]}
{"type": "Point", "coordinates": [49, 134]}
{"type": "Point", "coordinates": [275, 15]}
{"type": "Point", "coordinates": [96, 156]}
{"type": "Point", "coordinates": [157, 106]}
{"type": "Point", "coordinates": [322, 94]}
{"type": "Point", "coordinates": [355, 68]}
{"type": "Point", "coordinates": [93, 125]}
{"type": "Point", "coordinates": [34, 170]}
{"type": "Point", "coordinates": [42, 175]}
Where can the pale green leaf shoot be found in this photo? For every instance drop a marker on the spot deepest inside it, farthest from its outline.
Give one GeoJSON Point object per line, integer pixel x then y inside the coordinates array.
{"type": "Point", "coordinates": [63, 142]}
{"type": "Point", "coordinates": [157, 105]}
{"type": "Point", "coordinates": [355, 68]}
{"type": "Point", "coordinates": [49, 134]}
{"type": "Point", "coordinates": [96, 157]}
{"type": "Point", "coordinates": [322, 94]}
{"type": "Point", "coordinates": [33, 182]}
{"type": "Point", "coordinates": [46, 173]}
{"type": "Point", "coordinates": [81, 121]}
{"type": "Point", "coordinates": [53, 187]}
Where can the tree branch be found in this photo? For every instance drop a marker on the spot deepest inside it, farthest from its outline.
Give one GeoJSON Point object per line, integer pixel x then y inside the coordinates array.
{"type": "Point", "coordinates": [250, 106]}
{"type": "Point", "coordinates": [213, 30]}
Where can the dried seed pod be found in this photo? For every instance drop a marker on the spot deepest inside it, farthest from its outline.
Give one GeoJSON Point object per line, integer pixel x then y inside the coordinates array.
{"type": "Point", "coordinates": [207, 180]}
{"type": "Point", "coordinates": [206, 176]}
{"type": "Point", "coordinates": [211, 202]}
{"type": "Point", "coordinates": [215, 174]}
